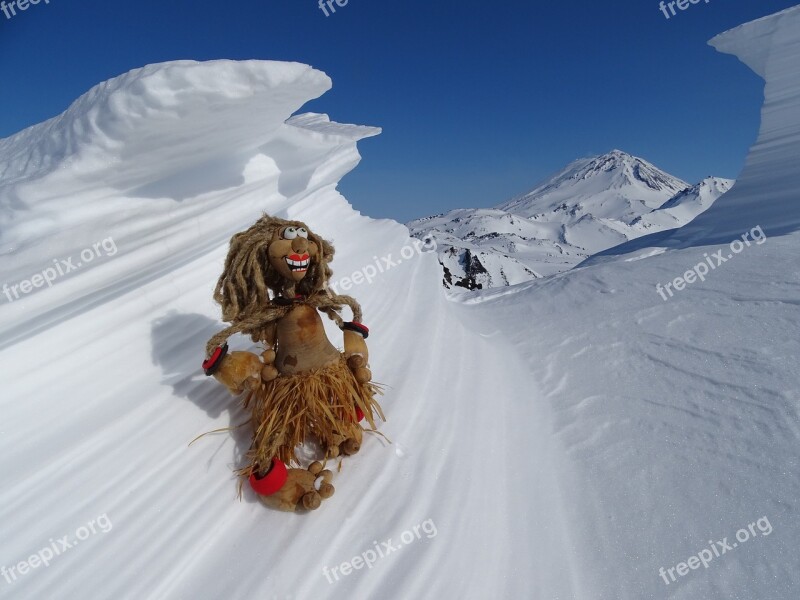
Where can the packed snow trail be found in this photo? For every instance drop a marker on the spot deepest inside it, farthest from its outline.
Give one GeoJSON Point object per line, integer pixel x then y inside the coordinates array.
{"type": "Point", "coordinates": [116, 434]}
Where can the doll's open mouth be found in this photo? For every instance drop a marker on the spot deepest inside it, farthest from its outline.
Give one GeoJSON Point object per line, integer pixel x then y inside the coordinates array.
{"type": "Point", "coordinates": [297, 262]}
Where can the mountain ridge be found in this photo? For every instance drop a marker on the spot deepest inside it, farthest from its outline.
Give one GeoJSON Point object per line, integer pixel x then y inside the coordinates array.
{"type": "Point", "coordinates": [590, 205]}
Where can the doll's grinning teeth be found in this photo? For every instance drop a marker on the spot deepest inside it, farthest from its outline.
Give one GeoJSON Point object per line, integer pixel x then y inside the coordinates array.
{"type": "Point", "coordinates": [297, 265]}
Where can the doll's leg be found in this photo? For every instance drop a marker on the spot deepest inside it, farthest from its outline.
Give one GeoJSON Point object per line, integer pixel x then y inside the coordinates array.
{"type": "Point", "coordinates": [346, 441]}
{"type": "Point", "coordinates": [352, 443]}
{"type": "Point", "coordinates": [293, 489]}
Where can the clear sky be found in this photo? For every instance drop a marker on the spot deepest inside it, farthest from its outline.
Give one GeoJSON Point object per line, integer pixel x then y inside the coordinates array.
{"type": "Point", "coordinates": [478, 100]}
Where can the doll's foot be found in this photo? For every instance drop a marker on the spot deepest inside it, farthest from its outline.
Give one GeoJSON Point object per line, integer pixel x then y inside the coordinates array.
{"type": "Point", "coordinates": [268, 481]}
{"type": "Point", "coordinates": [300, 488]}
{"type": "Point", "coordinates": [347, 439]}
{"type": "Point", "coordinates": [323, 489]}
{"type": "Point", "coordinates": [350, 446]}
{"type": "Point", "coordinates": [352, 435]}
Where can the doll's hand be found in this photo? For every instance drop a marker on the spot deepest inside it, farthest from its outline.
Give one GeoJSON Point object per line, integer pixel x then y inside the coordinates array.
{"type": "Point", "coordinates": [240, 371]}
{"type": "Point", "coordinates": [359, 368]}
{"type": "Point", "coordinates": [268, 371]}
{"type": "Point", "coordinates": [357, 355]}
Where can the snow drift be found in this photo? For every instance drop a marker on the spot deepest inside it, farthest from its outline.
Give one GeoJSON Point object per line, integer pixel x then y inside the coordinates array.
{"type": "Point", "coordinates": [566, 438]}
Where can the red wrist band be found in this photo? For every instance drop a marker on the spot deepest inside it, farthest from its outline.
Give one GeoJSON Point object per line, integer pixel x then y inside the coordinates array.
{"type": "Point", "coordinates": [212, 363]}
{"type": "Point", "coordinates": [357, 327]}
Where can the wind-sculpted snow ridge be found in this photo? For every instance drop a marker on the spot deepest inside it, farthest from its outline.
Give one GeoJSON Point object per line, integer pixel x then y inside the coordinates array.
{"type": "Point", "coordinates": [131, 153]}
{"type": "Point", "coordinates": [766, 192]}
{"type": "Point", "coordinates": [139, 115]}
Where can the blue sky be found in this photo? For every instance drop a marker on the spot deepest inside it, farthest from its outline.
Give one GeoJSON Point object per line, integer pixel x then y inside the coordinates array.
{"type": "Point", "coordinates": [478, 100]}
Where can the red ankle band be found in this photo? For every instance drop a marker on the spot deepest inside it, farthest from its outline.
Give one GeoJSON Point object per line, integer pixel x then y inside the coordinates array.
{"type": "Point", "coordinates": [272, 481]}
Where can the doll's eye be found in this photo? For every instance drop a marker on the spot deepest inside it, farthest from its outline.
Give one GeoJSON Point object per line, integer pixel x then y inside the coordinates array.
{"type": "Point", "coordinates": [290, 233]}
{"type": "Point", "coordinates": [302, 232]}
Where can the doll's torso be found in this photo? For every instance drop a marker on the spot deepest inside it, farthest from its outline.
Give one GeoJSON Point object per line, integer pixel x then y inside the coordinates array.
{"type": "Point", "coordinates": [301, 342]}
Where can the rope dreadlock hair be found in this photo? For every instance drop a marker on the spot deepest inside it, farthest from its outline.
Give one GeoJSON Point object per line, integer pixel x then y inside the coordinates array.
{"type": "Point", "coordinates": [243, 289]}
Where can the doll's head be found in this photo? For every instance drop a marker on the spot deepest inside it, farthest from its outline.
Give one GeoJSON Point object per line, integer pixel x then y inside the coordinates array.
{"type": "Point", "coordinates": [275, 255]}
{"type": "Point", "coordinates": [291, 251]}
{"type": "Point", "coordinates": [282, 257]}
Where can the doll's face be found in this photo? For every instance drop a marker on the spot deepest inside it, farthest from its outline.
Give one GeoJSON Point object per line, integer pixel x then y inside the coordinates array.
{"type": "Point", "coordinates": [291, 252]}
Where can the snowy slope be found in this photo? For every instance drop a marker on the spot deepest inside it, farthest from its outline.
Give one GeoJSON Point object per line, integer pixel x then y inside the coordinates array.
{"type": "Point", "coordinates": [477, 247]}
{"type": "Point", "coordinates": [567, 437]}
{"type": "Point", "coordinates": [591, 205]}
{"type": "Point", "coordinates": [615, 185]}
{"type": "Point", "coordinates": [103, 390]}
{"type": "Point", "coordinates": [684, 206]}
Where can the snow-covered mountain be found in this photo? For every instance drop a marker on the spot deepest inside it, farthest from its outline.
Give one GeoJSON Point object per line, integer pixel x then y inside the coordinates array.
{"type": "Point", "coordinates": [684, 206]}
{"type": "Point", "coordinates": [614, 185]}
{"type": "Point", "coordinates": [591, 205]}
{"type": "Point", "coordinates": [570, 437]}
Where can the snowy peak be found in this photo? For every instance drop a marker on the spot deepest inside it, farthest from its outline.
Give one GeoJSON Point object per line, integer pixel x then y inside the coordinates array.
{"type": "Point", "coordinates": [616, 175]}
{"type": "Point", "coordinates": [591, 205]}
{"type": "Point", "coordinates": [624, 170]}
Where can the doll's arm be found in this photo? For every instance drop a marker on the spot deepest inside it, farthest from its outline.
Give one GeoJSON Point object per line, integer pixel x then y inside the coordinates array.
{"type": "Point", "coordinates": [356, 351]}
{"type": "Point", "coordinates": [243, 370]}
{"type": "Point", "coordinates": [268, 371]}
{"type": "Point", "coordinates": [239, 371]}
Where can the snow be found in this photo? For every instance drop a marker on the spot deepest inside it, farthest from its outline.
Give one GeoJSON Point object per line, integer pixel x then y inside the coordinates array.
{"type": "Point", "coordinates": [591, 205]}
{"type": "Point", "coordinates": [685, 205]}
{"type": "Point", "coordinates": [678, 421]}
{"type": "Point", "coordinates": [567, 436]}
{"type": "Point", "coordinates": [610, 184]}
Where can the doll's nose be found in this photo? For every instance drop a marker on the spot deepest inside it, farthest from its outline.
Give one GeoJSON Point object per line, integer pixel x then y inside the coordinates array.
{"type": "Point", "coordinates": [299, 244]}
